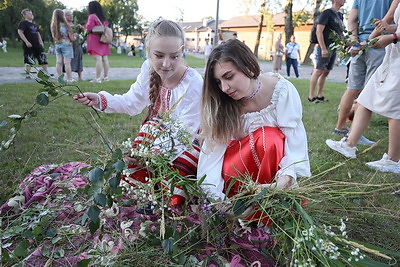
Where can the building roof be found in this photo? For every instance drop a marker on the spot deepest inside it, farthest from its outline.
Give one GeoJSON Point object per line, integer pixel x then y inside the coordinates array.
{"type": "Point", "coordinates": [200, 25]}
{"type": "Point", "coordinates": [253, 20]}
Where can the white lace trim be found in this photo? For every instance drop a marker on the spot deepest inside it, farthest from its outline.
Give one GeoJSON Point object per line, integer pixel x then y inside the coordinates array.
{"type": "Point", "coordinates": [253, 120]}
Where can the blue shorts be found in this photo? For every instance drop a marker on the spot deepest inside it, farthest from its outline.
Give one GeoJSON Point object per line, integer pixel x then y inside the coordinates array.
{"type": "Point", "coordinates": [64, 50]}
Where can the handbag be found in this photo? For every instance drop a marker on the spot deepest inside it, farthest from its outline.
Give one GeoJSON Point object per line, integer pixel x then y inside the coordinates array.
{"type": "Point", "coordinates": [98, 29]}
{"type": "Point", "coordinates": [107, 36]}
{"type": "Point", "coordinates": [279, 54]}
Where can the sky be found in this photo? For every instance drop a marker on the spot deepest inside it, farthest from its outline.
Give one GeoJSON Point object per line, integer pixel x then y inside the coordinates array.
{"type": "Point", "coordinates": [193, 10]}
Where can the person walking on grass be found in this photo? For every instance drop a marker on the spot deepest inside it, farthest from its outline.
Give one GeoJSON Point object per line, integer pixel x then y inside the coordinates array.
{"type": "Point", "coordinates": [361, 66]}
{"type": "Point", "coordinates": [32, 42]}
{"type": "Point", "coordinates": [329, 20]}
{"type": "Point", "coordinates": [380, 95]}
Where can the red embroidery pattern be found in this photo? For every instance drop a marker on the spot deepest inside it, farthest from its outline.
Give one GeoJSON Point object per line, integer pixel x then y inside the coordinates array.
{"type": "Point", "coordinates": [103, 102]}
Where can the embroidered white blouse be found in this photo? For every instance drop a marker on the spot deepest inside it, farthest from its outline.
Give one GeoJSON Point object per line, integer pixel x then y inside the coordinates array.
{"type": "Point", "coordinates": [137, 98]}
{"type": "Point", "coordinates": [284, 112]}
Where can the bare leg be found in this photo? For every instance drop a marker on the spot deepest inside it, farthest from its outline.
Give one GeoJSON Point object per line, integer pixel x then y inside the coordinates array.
{"type": "Point", "coordinates": [59, 64]}
{"type": "Point", "coordinates": [80, 75]}
{"type": "Point", "coordinates": [67, 65]}
{"type": "Point", "coordinates": [99, 66]}
{"type": "Point", "coordinates": [345, 106]}
{"type": "Point", "coordinates": [313, 82]}
{"type": "Point", "coordinates": [321, 82]}
{"type": "Point", "coordinates": [106, 65]}
{"type": "Point", "coordinates": [359, 125]}
{"type": "Point", "coordinates": [394, 139]}
{"type": "Point", "coordinates": [44, 67]}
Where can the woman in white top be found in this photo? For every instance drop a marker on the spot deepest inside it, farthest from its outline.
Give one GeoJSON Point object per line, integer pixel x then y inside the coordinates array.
{"type": "Point", "coordinates": [162, 82]}
{"type": "Point", "coordinates": [251, 124]}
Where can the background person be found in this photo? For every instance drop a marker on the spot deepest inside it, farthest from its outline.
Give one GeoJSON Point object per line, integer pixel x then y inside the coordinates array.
{"type": "Point", "coordinates": [382, 96]}
{"type": "Point", "coordinates": [329, 20]}
{"type": "Point", "coordinates": [292, 56]}
{"type": "Point", "coordinates": [76, 62]}
{"type": "Point", "coordinates": [32, 42]}
{"type": "Point", "coordinates": [97, 49]}
{"type": "Point", "coordinates": [63, 36]}
{"type": "Point", "coordinates": [279, 49]}
{"type": "Point", "coordinates": [362, 66]}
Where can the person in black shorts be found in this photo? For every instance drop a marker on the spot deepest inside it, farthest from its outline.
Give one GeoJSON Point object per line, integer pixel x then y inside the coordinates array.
{"type": "Point", "coordinates": [330, 20]}
{"type": "Point", "coordinates": [32, 42]}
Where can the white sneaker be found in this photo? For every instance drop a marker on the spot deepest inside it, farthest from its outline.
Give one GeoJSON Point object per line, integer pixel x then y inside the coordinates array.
{"type": "Point", "coordinates": [385, 164]}
{"type": "Point", "coordinates": [95, 80]}
{"type": "Point", "coordinates": [365, 141]}
{"type": "Point", "coordinates": [106, 79]}
{"type": "Point", "coordinates": [71, 81]}
{"type": "Point", "coordinates": [342, 147]}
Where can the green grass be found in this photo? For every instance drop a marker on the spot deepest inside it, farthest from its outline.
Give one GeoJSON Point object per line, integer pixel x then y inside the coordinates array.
{"type": "Point", "coordinates": [61, 134]}
{"type": "Point", "coordinates": [14, 58]}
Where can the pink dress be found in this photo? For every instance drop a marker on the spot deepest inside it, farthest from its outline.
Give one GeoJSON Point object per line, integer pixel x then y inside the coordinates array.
{"type": "Point", "coordinates": [94, 46]}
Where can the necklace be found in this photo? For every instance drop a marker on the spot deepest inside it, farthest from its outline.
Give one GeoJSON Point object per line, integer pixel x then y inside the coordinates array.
{"type": "Point", "coordinates": [255, 92]}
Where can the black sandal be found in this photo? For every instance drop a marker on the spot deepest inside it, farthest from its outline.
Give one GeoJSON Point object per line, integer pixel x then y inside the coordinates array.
{"type": "Point", "coordinates": [314, 99]}
{"type": "Point", "coordinates": [322, 99]}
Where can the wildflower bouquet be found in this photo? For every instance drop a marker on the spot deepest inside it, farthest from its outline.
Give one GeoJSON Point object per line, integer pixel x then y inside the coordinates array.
{"type": "Point", "coordinates": [300, 239]}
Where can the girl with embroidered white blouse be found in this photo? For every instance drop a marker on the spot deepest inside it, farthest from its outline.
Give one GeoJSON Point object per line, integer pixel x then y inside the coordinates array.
{"type": "Point", "coordinates": [251, 124]}
{"type": "Point", "coordinates": [162, 82]}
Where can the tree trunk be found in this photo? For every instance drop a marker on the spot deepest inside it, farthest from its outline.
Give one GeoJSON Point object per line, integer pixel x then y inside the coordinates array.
{"type": "Point", "coordinates": [317, 11]}
{"type": "Point", "coordinates": [289, 29]}
{"type": "Point", "coordinates": [260, 25]}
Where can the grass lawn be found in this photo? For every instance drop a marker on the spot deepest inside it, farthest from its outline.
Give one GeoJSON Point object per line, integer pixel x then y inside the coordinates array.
{"type": "Point", "coordinates": [14, 58]}
{"type": "Point", "coordinates": [61, 133]}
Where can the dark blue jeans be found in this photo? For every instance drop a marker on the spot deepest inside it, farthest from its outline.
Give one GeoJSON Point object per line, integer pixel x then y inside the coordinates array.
{"type": "Point", "coordinates": [293, 62]}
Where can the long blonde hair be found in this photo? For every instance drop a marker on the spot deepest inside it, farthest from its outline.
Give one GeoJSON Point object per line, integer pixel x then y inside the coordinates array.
{"type": "Point", "coordinates": [161, 28]}
{"type": "Point", "coordinates": [56, 20]}
{"type": "Point", "coordinates": [220, 113]}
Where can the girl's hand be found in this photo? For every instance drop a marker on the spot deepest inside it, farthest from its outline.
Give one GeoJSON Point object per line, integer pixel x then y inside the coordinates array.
{"type": "Point", "coordinates": [380, 25]}
{"type": "Point", "coordinates": [282, 182]}
{"type": "Point", "coordinates": [382, 41]}
{"type": "Point", "coordinates": [88, 99]}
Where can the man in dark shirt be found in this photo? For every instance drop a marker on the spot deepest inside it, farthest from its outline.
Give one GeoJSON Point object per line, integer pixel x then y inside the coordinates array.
{"type": "Point", "coordinates": [329, 20]}
{"type": "Point", "coordinates": [32, 42]}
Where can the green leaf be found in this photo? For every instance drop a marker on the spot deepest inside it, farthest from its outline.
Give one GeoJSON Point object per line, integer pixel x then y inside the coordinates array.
{"type": "Point", "coordinates": [27, 234]}
{"type": "Point", "coordinates": [51, 232]}
{"type": "Point", "coordinates": [117, 154]}
{"type": "Point", "coordinates": [119, 165]}
{"type": "Point", "coordinates": [42, 99]}
{"type": "Point", "coordinates": [3, 123]}
{"type": "Point", "coordinates": [45, 252]}
{"type": "Point", "coordinates": [100, 199]}
{"type": "Point", "coordinates": [56, 239]}
{"type": "Point", "coordinates": [95, 175]}
{"type": "Point", "coordinates": [260, 195]}
{"type": "Point", "coordinates": [93, 213]}
{"type": "Point", "coordinates": [22, 249]}
{"type": "Point", "coordinates": [61, 80]}
{"type": "Point", "coordinates": [202, 179]}
{"type": "Point", "coordinates": [239, 207]}
{"type": "Point", "coordinates": [168, 245]}
{"type": "Point", "coordinates": [84, 263]}
{"type": "Point", "coordinates": [37, 230]}
{"type": "Point", "coordinates": [42, 75]}
{"type": "Point", "coordinates": [93, 226]}
{"type": "Point", "coordinates": [114, 183]}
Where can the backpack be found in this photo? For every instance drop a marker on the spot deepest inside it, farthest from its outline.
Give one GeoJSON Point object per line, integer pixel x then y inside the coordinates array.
{"type": "Point", "coordinates": [313, 35]}
{"type": "Point", "coordinates": [107, 36]}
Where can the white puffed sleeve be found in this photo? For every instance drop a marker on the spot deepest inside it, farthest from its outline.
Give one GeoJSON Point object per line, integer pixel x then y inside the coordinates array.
{"type": "Point", "coordinates": [295, 162]}
{"type": "Point", "coordinates": [189, 108]}
{"type": "Point", "coordinates": [210, 165]}
{"type": "Point", "coordinates": [132, 102]}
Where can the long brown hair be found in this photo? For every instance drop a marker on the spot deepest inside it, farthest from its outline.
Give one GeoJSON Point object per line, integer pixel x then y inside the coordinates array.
{"type": "Point", "coordinates": [161, 28]}
{"type": "Point", "coordinates": [56, 20]}
{"type": "Point", "coordinates": [220, 113]}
